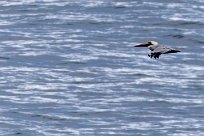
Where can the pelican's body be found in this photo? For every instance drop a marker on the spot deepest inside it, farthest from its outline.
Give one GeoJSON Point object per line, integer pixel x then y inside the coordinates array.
{"type": "Point", "coordinates": [156, 49]}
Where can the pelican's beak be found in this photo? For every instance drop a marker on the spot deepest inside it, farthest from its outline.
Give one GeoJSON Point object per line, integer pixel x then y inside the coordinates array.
{"type": "Point", "coordinates": [142, 45]}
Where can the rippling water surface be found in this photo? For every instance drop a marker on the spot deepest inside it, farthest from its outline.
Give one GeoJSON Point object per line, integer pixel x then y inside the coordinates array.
{"type": "Point", "coordinates": [70, 68]}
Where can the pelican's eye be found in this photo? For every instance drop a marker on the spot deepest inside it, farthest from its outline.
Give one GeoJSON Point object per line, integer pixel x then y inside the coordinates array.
{"type": "Point", "coordinates": [150, 43]}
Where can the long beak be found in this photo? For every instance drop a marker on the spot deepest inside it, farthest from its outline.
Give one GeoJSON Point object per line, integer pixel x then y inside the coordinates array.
{"type": "Point", "coordinates": [142, 45]}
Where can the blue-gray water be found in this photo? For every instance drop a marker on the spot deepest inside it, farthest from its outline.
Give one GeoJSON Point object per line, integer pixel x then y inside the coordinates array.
{"type": "Point", "coordinates": [69, 68]}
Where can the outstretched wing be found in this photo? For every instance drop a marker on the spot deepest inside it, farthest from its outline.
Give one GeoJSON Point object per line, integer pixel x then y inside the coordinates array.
{"type": "Point", "coordinates": [162, 50]}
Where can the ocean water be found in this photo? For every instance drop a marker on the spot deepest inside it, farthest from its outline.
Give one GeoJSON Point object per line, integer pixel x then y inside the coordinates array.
{"type": "Point", "coordinates": [69, 68]}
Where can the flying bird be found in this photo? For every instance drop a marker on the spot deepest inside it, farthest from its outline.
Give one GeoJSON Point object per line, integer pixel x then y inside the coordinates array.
{"type": "Point", "coordinates": [156, 49]}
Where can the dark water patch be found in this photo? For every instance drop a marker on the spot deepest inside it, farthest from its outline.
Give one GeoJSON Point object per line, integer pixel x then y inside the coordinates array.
{"type": "Point", "coordinates": [73, 62]}
{"type": "Point", "coordinates": [186, 23]}
{"type": "Point", "coordinates": [142, 75]}
{"type": "Point", "coordinates": [18, 133]}
{"type": "Point", "coordinates": [4, 58]}
{"type": "Point", "coordinates": [135, 75]}
{"type": "Point", "coordinates": [177, 36]}
{"type": "Point", "coordinates": [67, 23]}
{"type": "Point", "coordinates": [191, 23]}
{"type": "Point", "coordinates": [120, 6]}
{"type": "Point", "coordinates": [48, 117]}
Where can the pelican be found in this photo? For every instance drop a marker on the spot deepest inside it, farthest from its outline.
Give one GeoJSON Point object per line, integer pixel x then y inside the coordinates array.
{"type": "Point", "coordinates": [156, 49]}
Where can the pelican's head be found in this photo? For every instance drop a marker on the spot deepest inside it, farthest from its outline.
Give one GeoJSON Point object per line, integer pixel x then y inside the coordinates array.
{"type": "Point", "coordinates": [147, 44]}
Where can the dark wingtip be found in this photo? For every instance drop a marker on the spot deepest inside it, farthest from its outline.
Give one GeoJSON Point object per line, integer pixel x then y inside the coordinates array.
{"type": "Point", "coordinates": [174, 51]}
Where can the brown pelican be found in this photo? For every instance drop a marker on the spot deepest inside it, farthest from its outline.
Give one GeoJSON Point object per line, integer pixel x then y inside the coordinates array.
{"type": "Point", "coordinates": [156, 49]}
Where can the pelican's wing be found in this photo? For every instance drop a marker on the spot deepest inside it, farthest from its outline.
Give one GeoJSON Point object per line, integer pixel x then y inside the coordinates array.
{"type": "Point", "coordinates": [164, 50]}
